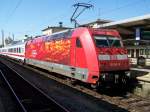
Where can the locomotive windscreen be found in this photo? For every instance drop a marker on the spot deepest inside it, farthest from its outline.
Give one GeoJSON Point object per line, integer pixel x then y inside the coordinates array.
{"type": "Point", "coordinates": [107, 41]}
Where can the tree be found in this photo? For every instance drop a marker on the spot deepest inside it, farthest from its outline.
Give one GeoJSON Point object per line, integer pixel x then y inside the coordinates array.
{"type": "Point", "coordinates": [1, 46]}
{"type": "Point", "coordinates": [8, 40]}
{"type": "Point", "coordinates": [28, 37]}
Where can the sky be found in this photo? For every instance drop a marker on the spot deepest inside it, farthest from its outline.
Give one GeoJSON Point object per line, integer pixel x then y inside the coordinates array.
{"type": "Point", "coordinates": [29, 17]}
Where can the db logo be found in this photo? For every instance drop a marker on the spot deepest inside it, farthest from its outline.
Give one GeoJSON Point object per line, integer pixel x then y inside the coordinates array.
{"type": "Point", "coordinates": [113, 57]}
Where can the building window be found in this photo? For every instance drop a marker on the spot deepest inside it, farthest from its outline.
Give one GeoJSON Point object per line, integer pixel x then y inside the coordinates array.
{"type": "Point", "coordinates": [147, 51]}
{"type": "Point", "coordinates": [142, 52]}
{"type": "Point", "coordinates": [129, 51]}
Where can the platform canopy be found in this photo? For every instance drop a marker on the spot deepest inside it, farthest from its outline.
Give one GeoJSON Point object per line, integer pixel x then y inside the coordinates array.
{"type": "Point", "coordinates": [127, 27]}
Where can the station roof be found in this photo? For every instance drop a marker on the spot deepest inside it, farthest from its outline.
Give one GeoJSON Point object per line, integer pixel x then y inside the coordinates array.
{"type": "Point", "coordinates": [135, 21]}
{"type": "Point", "coordinates": [98, 21]}
{"type": "Point", "coordinates": [127, 26]}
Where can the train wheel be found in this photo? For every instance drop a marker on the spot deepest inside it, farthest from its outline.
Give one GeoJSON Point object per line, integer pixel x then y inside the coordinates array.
{"type": "Point", "coordinates": [24, 62]}
{"type": "Point", "coordinates": [95, 86]}
{"type": "Point", "coordinates": [73, 81]}
{"type": "Point", "coordinates": [20, 61]}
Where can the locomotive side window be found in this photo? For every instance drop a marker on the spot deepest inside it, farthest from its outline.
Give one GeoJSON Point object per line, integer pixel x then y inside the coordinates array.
{"type": "Point", "coordinates": [78, 43]}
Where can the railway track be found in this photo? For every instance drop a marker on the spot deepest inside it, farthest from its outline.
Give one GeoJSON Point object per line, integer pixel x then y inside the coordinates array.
{"type": "Point", "coordinates": [128, 101]}
{"type": "Point", "coordinates": [28, 97]}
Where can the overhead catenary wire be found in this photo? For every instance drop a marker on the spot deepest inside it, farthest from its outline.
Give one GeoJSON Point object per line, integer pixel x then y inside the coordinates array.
{"type": "Point", "coordinates": [121, 7]}
{"type": "Point", "coordinates": [13, 11]}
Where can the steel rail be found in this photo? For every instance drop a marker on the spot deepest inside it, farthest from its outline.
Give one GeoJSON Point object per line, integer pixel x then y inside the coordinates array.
{"type": "Point", "coordinates": [128, 102]}
{"type": "Point", "coordinates": [60, 107]}
{"type": "Point", "coordinates": [7, 82]}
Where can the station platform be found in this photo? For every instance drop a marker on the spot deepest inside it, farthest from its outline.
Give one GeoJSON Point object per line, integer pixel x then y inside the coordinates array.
{"type": "Point", "coordinates": [141, 69]}
{"type": "Point", "coordinates": [145, 78]}
{"type": "Point", "coordinates": [141, 74]}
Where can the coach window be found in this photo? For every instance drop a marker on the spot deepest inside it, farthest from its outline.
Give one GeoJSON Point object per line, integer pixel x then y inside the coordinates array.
{"type": "Point", "coordinates": [78, 43]}
{"type": "Point", "coordinates": [19, 50]}
{"type": "Point", "coordinates": [22, 50]}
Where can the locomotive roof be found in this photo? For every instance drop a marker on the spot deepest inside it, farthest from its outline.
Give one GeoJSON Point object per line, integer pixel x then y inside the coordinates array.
{"type": "Point", "coordinates": [55, 27]}
{"type": "Point", "coordinates": [64, 31]}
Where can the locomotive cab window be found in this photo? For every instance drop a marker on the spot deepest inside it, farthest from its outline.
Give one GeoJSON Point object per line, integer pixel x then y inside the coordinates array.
{"type": "Point", "coordinates": [107, 41]}
{"type": "Point", "coordinates": [101, 41]}
{"type": "Point", "coordinates": [78, 43]}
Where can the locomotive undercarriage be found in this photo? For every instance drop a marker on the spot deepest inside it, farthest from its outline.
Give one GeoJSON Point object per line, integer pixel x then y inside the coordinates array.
{"type": "Point", "coordinates": [112, 78]}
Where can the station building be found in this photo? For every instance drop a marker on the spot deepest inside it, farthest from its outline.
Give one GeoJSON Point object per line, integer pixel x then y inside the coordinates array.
{"type": "Point", "coordinates": [53, 29]}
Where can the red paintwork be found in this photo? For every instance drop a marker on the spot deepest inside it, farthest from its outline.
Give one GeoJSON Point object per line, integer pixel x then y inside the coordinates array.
{"type": "Point", "coordinates": [64, 51]}
{"type": "Point", "coordinates": [113, 64]}
{"type": "Point", "coordinates": [53, 51]}
{"type": "Point", "coordinates": [88, 47]}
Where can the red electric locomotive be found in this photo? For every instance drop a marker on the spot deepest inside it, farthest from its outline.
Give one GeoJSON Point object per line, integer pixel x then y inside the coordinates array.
{"type": "Point", "coordinates": [86, 54]}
